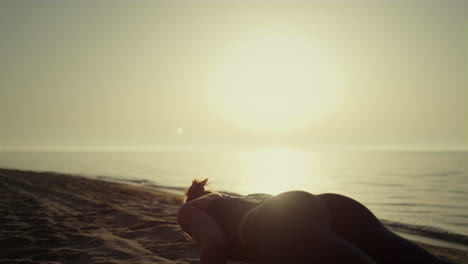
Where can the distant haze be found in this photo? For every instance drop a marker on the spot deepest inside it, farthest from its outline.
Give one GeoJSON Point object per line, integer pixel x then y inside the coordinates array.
{"type": "Point", "coordinates": [151, 75]}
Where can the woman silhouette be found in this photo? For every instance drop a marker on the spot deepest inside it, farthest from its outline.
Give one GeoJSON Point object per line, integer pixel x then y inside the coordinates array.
{"type": "Point", "coordinates": [292, 227]}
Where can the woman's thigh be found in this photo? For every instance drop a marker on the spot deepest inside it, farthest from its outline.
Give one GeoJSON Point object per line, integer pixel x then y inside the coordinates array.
{"type": "Point", "coordinates": [355, 223]}
{"type": "Point", "coordinates": [347, 216]}
{"type": "Point", "coordinates": [313, 245]}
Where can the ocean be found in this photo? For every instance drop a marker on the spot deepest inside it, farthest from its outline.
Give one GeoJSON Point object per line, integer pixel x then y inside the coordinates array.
{"type": "Point", "coordinates": [422, 193]}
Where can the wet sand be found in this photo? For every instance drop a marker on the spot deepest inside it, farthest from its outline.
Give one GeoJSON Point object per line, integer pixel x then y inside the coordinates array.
{"type": "Point", "coordinates": [56, 218]}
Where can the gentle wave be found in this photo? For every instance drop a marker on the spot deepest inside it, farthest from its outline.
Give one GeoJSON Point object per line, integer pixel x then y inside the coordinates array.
{"type": "Point", "coordinates": [419, 205]}
{"type": "Point", "coordinates": [144, 183]}
{"type": "Point", "coordinates": [426, 174]}
{"type": "Point", "coordinates": [428, 231]}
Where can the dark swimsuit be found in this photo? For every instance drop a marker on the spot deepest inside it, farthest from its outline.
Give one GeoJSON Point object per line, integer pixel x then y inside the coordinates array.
{"type": "Point", "coordinates": [250, 225]}
{"type": "Point", "coordinates": [231, 215]}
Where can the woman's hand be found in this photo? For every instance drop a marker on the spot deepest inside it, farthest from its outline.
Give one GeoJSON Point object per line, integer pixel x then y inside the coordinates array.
{"type": "Point", "coordinates": [206, 233]}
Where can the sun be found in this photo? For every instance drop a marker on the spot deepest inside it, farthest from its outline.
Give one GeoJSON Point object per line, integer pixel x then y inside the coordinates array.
{"type": "Point", "coordinates": [273, 81]}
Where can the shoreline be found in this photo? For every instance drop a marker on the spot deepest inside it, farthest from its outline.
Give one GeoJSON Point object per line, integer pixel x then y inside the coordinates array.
{"type": "Point", "coordinates": [423, 234]}
{"type": "Point", "coordinates": [47, 217]}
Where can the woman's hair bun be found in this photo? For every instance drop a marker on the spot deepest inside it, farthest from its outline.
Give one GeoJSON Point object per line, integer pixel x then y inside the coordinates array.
{"type": "Point", "coordinates": [196, 190]}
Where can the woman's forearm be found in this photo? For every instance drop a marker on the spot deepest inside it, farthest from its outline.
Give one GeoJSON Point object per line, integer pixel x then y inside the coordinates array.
{"type": "Point", "coordinates": [211, 258]}
{"type": "Point", "coordinates": [213, 253]}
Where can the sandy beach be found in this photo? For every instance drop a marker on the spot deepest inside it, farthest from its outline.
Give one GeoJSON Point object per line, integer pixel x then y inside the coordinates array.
{"type": "Point", "coordinates": [56, 218]}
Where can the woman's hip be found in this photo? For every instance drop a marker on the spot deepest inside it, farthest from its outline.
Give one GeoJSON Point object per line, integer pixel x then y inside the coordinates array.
{"type": "Point", "coordinates": [285, 216]}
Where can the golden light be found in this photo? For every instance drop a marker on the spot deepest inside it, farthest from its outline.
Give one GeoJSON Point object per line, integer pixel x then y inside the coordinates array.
{"type": "Point", "coordinates": [276, 170]}
{"type": "Point", "coordinates": [180, 131]}
{"type": "Point", "coordinates": [275, 81]}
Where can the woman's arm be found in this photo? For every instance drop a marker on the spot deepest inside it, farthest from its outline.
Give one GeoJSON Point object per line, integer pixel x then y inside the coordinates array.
{"type": "Point", "coordinates": [206, 233]}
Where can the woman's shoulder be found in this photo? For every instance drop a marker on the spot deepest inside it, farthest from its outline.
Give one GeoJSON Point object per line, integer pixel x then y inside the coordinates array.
{"type": "Point", "coordinates": [204, 201]}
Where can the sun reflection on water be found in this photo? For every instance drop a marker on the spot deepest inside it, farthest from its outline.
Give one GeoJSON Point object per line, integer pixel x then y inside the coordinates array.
{"type": "Point", "coordinates": [275, 170]}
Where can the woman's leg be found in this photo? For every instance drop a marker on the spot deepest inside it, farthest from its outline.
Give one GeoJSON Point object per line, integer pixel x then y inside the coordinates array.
{"type": "Point", "coordinates": [312, 245]}
{"type": "Point", "coordinates": [355, 223]}
{"type": "Point", "coordinates": [294, 227]}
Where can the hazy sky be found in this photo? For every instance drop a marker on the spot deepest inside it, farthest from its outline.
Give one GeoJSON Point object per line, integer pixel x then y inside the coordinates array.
{"type": "Point", "coordinates": [148, 74]}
